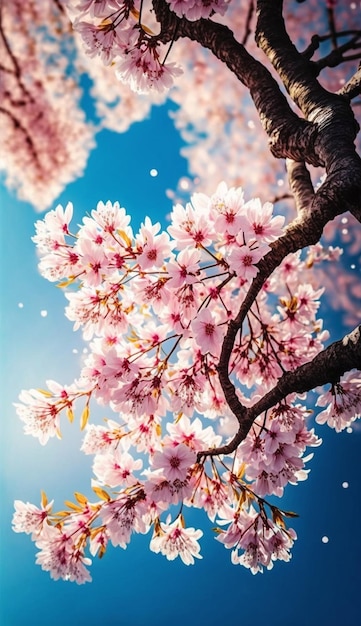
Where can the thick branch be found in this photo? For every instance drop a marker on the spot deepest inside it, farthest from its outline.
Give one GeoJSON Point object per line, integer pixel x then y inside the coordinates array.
{"type": "Point", "coordinates": [305, 230]}
{"type": "Point", "coordinates": [352, 88]}
{"type": "Point", "coordinates": [327, 367]}
{"type": "Point", "coordinates": [331, 114]}
{"type": "Point", "coordinates": [289, 136]}
{"type": "Point", "coordinates": [300, 184]}
{"type": "Point", "coordinates": [325, 137]}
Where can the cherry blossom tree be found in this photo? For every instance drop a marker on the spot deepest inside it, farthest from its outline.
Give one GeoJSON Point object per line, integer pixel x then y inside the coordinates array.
{"type": "Point", "coordinates": [204, 339]}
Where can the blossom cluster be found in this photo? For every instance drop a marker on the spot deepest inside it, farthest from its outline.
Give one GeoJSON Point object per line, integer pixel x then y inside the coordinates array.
{"type": "Point", "coordinates": [115, 31]}
{"type": "Point", "coordinates": [154, 306]}
{"type": "Point", "coordinates": [45, 137]}
{"type": "Point", "coordinates": [124, 33]}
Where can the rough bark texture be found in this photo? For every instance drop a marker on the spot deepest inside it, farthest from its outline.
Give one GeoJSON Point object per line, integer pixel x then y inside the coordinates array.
{"type": "Point", "coordinates": [323, 135]}
{"type": "Point", "coordinates": [327, 367]}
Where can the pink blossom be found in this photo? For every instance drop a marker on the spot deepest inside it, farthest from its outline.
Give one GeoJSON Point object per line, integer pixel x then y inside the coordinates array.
{"type": "Point", "coordinates": [197, 9]}
{"type": "Point", "coordinates": [243, 260]}
{"type": "Point", "coordinates": [140, 66]}
{"type": "Point", "coordinates": [124, 516]}
{"type": "Point", "coordinates": [192, 434]}
{"type": "Point", "coordinates": [207, 333]}
{"type": "Point", "coordinates": [29, 519]}
{"type": "Point", "coordinates": [61, 557]}
{"type": "Point", "coordinates": [227, 207]}
{"type": "Point", "coordinates": [115, 468]}
{"type": "Point", "coordinates": [187, 388]}
{"type": "Point", "coordinates": [112, 218]}
{"type": "Point", "coordinates": [185, 270]}
{"type": "Point", "coordinates": [175, 461]}
{"type": "Point", "coordinates": [163, 491]}
{"type": "Point", "coordinates": [40, 414]}
{"type": "Point", "coordinates": [102, 40]}
{"type": "Point", "coordinates": [190, 225]}
{"type": "Point", "coordinates": [93, 262]}
{"type": "Point", "coordinates": [153, 249]}
{"type": "Point", "coordinates": [342, 402]}
{"type": "Point", "coordinates": [263, 226]}
{"type": "Point", "coordinates": [173, 540]}
{"type": "Point", "coordinates": [212, 496]}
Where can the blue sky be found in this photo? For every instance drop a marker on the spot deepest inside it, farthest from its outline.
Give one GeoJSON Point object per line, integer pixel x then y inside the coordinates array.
{"type": "Point", "coordinates": [136, 587]}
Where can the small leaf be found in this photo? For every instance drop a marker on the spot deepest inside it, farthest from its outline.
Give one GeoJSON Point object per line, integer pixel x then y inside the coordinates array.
{"type": "Point", "coordinates": [242, 499]}
{"type": "Point", "coordinates": [80, 498]}
{"type": "Point", "coordinates": [105, 22]}
{"type": "Point", "coordinates": [277, 518]}
{"type": "Point", "coordinates": [84, 417]}
{"type": "Point", "coordinates": [65, 283]}
{"type": "Point", "coordinates": [44, 499]}
{"type": "Point", "coordinates": [125, 237]}
{"type": "Point", "coordinates": [101, 551]}
{"type": "Point", "coordinates": [289, 514]}
{"type": "Point", "coordinates": [61, 514]}
{"type": "Point", "coordinates": [45, 393]}
{"type": "Point", "coordinates": [241, 470]}
{"type": "Point", "coordinates": [73, 506]}
{"type": "Point", "coordinates": [70, 414]}
{"type": "Point", "coordinates": [103, 495]}
{"type": "Point", "coordinates": [135, 13]}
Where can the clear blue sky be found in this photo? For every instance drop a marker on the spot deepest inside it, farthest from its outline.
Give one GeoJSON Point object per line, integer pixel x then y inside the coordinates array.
{"type": "Point", "coordinates": [136, 587]}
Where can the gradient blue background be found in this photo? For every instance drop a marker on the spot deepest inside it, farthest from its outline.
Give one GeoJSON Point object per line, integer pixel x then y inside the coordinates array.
{"type": "Point", "coordinates": [136, 587]}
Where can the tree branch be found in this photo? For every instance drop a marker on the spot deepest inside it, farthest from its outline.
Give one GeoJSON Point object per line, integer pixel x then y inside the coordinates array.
{"type": "Point", "coordinates": [330, 113]}
{"type": "Point", "coordinates": [352, 88]}
{"type": "Point", "coordinates": [327, 367]}
{"type": "Point", "coordinates": [325, 137]}
{"type": "Point", "coordinates": [289, 135]}
{"type": "Point", "coordinates": [337, 56]}
{"type": "Point", "coordinates": [300, 184]}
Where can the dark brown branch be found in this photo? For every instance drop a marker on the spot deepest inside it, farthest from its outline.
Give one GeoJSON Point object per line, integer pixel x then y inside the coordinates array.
{"type": "Point", "coordinates": [337, 56]}
{"type": "Point", "coordinates": [327, 367]}
{"type": "Point", "coordinates": [305, 230]}
{"type": "Point", "coordinates": [27, 137]}
{"type": "Point", "coordinates": [352, 88]}
{"type": "Point", "coordinates": [317, 39]}
{"type": "Point", "coordinates": [325, 137]}
{"type": "Point", "coordinates": [248, 22]}
{"type": "Point", "coordinates": [300, 184]}
{"type": "Point", "coordinates": [332, 26]}
{"type": "Point", "coordinates": [331, 114]}
{"type": "Point", "coordinates": [289, 135]}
